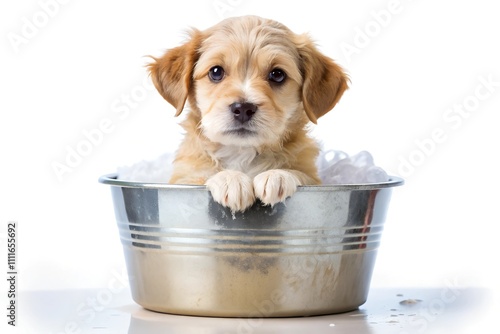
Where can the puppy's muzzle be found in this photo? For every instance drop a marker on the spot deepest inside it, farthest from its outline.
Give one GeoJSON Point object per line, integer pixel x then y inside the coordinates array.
{"type": "Point", "coordinates": [243, 112]}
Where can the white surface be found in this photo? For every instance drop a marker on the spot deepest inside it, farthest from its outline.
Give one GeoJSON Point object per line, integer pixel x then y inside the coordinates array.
{"type": "Point", "coordinates": [82, 70]}
{"type": "Point", "coordinates": [443, 310]}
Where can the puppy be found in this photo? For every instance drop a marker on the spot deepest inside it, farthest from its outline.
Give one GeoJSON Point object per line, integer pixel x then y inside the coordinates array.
{"type": "Point", "coordinates": [252, 87]}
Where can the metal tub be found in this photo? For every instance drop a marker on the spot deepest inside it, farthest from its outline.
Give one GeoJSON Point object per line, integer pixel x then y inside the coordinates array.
{"type": "Point", "coordinates": [311, 255]}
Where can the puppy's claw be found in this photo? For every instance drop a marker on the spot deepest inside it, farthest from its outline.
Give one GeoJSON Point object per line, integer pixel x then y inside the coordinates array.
{"type": "Point", "coordinates": [275, 186]}
{"type": "Point", "coordinates": [232, 189]}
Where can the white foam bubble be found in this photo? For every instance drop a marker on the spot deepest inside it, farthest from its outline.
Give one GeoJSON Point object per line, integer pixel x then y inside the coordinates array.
{"type": "Point", "coordinates": [336, 167]}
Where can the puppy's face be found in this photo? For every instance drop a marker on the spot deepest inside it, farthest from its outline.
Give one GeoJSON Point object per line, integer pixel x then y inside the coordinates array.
{"type": "Point", "coordinates": [252, 80]}
{"type": "Point", "coordinates": [248, 84]}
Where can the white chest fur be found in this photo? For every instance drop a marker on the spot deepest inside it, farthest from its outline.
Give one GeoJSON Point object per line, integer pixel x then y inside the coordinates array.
{"type": "Point", "coordinates": [245, 159]}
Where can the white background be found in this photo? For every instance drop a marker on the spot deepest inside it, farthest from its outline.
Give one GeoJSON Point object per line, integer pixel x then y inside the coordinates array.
{"type": "Point", "coordinates": [84, 60]}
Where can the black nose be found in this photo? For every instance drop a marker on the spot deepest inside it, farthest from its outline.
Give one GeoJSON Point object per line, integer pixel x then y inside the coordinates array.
{"type": "Point", "coordinates": [243, 112]}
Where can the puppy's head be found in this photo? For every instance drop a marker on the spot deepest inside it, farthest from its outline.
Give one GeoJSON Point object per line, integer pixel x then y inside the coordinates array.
{"type": "Point", "coordinates": [252, 80]}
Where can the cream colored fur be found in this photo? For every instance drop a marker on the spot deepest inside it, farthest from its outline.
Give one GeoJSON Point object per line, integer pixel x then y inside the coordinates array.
{"type": "Point", "coordinates": [275, 154]}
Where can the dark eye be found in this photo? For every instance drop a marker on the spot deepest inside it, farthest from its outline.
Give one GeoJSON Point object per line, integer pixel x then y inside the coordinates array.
{"type": "Point", "coordinates": [277, 75]}
{"type": "Point", "coordinates": [216, 74]}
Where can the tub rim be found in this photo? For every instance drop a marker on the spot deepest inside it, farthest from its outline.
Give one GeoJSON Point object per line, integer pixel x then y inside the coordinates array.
{"type": "Point", "coordinates": [112, 180]}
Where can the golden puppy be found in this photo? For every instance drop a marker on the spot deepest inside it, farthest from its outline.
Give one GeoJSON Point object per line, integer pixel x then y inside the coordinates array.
{"type": "Point", "coordinates": [252, 86]}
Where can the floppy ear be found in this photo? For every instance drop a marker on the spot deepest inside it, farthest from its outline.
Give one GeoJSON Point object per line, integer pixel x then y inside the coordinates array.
{"type": "Point", "coordinates": [324, 82]}
{"type": "Point", "coordinates": [172, 74]}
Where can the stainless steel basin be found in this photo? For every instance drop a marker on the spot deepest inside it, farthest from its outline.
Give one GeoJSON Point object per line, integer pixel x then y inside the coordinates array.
{"type": "Point", "coordinates": [312, 255]}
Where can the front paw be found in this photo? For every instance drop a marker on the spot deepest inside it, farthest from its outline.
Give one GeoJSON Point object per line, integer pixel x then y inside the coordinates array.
{"type": "Point", "coordinates": [232, 189]}
{"type": "Point", "coordinates": [274, 186]}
